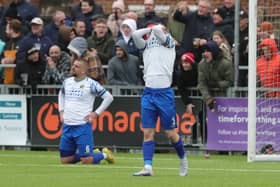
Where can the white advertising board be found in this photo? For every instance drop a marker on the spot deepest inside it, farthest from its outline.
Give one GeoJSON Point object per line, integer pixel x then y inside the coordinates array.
{"type": "Point", "coordinates": [13, 120]}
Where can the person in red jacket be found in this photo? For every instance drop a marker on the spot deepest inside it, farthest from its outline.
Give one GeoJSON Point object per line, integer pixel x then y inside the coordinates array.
{"type": "Point", "coordinates": [268, 67]}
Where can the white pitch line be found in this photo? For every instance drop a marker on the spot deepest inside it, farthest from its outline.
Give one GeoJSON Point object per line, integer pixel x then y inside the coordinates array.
{"type": "Point", "coordinates": [138, 167]}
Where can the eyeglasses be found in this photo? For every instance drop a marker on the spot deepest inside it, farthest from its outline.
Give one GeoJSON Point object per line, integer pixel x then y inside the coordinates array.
{"type": "Point", "coordinates": [93, 69]}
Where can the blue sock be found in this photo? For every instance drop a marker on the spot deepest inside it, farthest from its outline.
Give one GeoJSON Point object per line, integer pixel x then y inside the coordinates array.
{"type": "Point", "coordinates": [148, 152]}
{"type": "Point", "coordinates": [76, 158]}
{"type": "Point", "coordinates": [97, 157]}
{"type": "Point", "coordinates": [179, 147]}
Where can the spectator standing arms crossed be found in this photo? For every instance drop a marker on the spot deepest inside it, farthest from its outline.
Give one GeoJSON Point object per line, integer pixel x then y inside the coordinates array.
{"type": "Point", "coordinates": [76, 101]}
{"type": "Point", "coordinates": [158, 97]}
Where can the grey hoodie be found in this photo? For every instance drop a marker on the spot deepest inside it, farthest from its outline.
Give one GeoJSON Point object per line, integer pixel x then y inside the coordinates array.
{"type": "Point", "coordinates": [125, 70]}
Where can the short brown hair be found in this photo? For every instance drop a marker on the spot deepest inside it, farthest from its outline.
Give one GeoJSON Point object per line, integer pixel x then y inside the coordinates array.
{"type": "Point", "coordinates": [15, 25]}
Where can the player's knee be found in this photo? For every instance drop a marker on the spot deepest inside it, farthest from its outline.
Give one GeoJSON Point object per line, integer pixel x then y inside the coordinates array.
{"type": "Point", "coordinates": [86, 160]}
{"type": "Point", "coordinates": [148, 134]}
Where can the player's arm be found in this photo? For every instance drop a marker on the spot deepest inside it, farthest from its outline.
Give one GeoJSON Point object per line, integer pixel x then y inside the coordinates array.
{"type": "Point", "coordinates": [164, 38]}
{"type": "Point", "coordinates": [138, 37]}
{"type": "Point", "coordinates": [107, 100]}
{"type": "Point", "coordinates": [61, 101]}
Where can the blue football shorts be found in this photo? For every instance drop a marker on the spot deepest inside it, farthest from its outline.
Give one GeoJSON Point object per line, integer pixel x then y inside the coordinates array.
{"type": "Point", "coordinates": [158, 102]}
{"type": "Point", "coordinates": [76, 139]}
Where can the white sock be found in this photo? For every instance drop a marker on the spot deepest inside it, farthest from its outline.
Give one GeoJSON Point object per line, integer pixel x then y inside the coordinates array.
{"type": "Point", "coordinates": [148, 167]}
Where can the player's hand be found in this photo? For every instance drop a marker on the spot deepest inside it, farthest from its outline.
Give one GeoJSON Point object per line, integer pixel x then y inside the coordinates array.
{"type": "Point", "coordinates": [91, 116]}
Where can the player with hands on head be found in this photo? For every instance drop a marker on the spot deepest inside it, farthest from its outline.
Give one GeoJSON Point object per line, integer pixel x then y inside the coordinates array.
{"type": "Point", "coordinates": [158, 97]}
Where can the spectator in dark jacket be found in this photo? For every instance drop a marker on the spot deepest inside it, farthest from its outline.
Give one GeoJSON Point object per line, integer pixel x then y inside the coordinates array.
{"type": "Point", "coordinates": [149, 15]}
{"type": "Point", "coordinates": [229, 8]}
{"type": "Point", "coordinates": [101, 42]}
{"type": "Point", "coordinates": [219, 15]}
{"type": "Point", "coordinates": [52, 29]}
{"type": "Point", "coordinates": [14, 36]}
{"type": "Point", "coordinates": [187, 78]}
{"type": "Point", "coordinates": [87, 9]}
{"type": "Point", "coordinates": [35, 37]}
{"type": "Point", "coordinates": [26, 11]}
{"type": "Point", "coordinates": [76, 10]}
{"type": "Point", "coordinates": [123, 69]}
{"type": "Point", "coordinates": [30, 69]}
{"type": "Point", "coordinates": [214, 71]}
{"type": "Point", "coordinates": [198, 24]}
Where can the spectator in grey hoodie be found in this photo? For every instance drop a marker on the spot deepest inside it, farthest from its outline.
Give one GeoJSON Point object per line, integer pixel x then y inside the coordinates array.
{"type": "Point", "coordinates": [123, 68]}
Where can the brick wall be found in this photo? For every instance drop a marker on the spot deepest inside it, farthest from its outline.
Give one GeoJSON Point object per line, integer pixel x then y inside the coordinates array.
{"type": "Point", "coordinates": [108, 3]}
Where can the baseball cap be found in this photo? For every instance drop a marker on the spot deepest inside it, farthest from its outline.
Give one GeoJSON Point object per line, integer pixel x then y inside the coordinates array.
{"type": "Point", "coordinates": [37, 21]}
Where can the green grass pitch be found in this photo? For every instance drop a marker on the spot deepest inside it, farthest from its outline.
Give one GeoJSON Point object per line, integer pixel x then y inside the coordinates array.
{"type": "Point", "coordinates": [42, 169]}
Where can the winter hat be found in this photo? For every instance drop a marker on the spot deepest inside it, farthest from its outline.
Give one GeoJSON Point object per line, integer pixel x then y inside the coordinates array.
{"type": "Point", "coordinates": [78, 45]}
{"type": "Point", "coordinates": [267, 26]}
{"type": "Point", "coordinates": [119, 4]}
{"type": "Point", "coordinates": [220, 11]}
{"type": "Point", "coordinates": [188, 57]}
{"type": "Point", "coordinates": [212, 47]}
{"type": "Point", "coordinates": [31, 48]}
{"type": "Point", "coordinates": [11, 11]}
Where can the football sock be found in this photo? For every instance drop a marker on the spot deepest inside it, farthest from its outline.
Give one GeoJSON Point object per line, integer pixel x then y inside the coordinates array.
{"type": "Point", "coordinates": [148, 152]}
{"type": "Point", "coordinates": [179, 147]}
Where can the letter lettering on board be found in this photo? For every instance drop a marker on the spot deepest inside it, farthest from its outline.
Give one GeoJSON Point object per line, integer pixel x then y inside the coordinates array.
{"type": "Point", "coordinates": [105, 115]}
{"type": "Point", "coordinates": [121, 123]}
{"type": "Point", "coordinates": [132, 120]}
{"type": "Point", "coordinates": [188, 120]}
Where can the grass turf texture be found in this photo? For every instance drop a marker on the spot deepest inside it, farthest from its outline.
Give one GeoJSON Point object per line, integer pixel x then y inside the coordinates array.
{"type": "Point", "coordinates": [29, 168]}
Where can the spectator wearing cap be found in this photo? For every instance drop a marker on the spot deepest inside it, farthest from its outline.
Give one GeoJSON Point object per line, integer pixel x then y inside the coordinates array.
{"type": "Point", "coordinates": [243, 48]}
{"type": "Point", "coordinates": [94, 8]}
{"type": "Point", "coordinates": [187, 78]}
{"type": "Point", "coordinates": [51, 30]}
{"type": "Point", "coordinates": [128, 26]}
{"type": "Point", "coordinates": [116, 18]}
{"type": "Point", "coordinates": [150, 15]}
{"type": "Point", "coordinates": [215, 74]}
{"type": "Point", "coordinates": [198, 26]}
{"type": "Point", "coordinates": [101, 42]}
{"type": "Point", "coordinates": [35, 37]}
{"type": "Point", "coordinates": [30, 67]}
{"type": "Point", "coordinates": [219, 15]}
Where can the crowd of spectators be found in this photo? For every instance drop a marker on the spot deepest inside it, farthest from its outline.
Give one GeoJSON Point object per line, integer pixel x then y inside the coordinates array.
{"type": "Point", "coordinates": [108, 43]}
